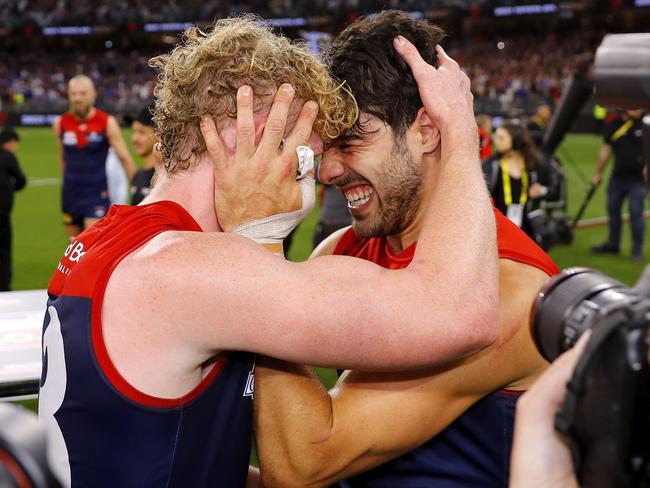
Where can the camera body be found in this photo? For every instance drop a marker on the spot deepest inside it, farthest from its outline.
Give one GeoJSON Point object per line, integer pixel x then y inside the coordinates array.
{"type": "Point", "coordinates": [606, 411]}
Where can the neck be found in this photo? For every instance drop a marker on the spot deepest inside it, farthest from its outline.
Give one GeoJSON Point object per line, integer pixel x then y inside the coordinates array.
{"type": "Point", "coordinates": [399, 242]}
{"type": "Point", "coordinates": [148, 161]}
{"type": "Point", "coordinates": [86, 116]}
{"type": "Point", "coordinates": [192, 189]}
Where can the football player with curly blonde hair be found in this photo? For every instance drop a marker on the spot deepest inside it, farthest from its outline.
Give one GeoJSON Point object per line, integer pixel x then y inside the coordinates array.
{"type": "Point", "coordinates": [143, 384]}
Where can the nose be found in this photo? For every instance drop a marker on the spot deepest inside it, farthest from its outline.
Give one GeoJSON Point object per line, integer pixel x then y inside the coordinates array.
{"type": "Point", "coordinates": [331, 167]}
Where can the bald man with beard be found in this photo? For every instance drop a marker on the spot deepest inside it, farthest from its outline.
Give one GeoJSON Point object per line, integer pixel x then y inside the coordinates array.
{"type": "Point", "coordinates": [85, 135]}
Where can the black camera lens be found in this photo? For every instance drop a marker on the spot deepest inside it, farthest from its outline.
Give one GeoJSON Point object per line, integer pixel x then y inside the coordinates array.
{"type": "Point", "coordinates": [568, 305]}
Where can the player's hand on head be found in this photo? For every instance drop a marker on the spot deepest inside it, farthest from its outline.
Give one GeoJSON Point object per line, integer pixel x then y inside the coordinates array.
{"type": "Point", "coordinates": [258, 180]}
{"type": "Point", "coordinates": [445, 91]}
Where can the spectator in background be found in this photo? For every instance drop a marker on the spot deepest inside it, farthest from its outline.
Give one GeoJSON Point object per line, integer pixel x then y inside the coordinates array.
{"type": "Point", "coordinates": [484, 123]}
{"type": "Point", "coordinates": [518, 176]}
{"type": "Point", "coordinates": [143, 139]}
{"type": "Point", "coordinates": [11, 179]}
{"type": "Point", "coordinates": [85, 134]}
{"type": "Point", "coordinates": [538, 122]}
{"type": "Point", "coordinates": [622, 137]}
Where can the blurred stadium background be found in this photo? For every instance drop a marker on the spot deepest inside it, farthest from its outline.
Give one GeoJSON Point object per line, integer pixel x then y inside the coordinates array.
{"type": "Point", "coordinates": [518, 54]}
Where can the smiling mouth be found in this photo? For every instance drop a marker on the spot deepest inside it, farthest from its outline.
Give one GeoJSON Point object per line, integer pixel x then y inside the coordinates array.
{"type": "Point", "coordinates": [358, 196]}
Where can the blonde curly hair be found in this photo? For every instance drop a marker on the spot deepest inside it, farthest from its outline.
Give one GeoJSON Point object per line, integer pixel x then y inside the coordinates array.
{"type": "Point", "coordinates": [202, 74]}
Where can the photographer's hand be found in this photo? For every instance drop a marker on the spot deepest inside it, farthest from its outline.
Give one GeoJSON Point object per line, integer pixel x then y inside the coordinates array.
{"type": "Point", "coordinates": [540, 456]}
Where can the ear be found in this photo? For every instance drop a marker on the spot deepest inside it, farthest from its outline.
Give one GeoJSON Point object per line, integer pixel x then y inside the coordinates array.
{"type": "Point", "coordinates": [428, 132]}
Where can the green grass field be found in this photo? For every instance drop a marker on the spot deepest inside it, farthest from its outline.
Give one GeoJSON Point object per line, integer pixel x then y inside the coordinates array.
{"type": "Point", "coordinates": [39, 239]}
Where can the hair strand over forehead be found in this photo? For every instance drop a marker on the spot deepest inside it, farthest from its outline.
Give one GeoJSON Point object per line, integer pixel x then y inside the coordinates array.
{"type": "Point", "coordinates": [202, 74]}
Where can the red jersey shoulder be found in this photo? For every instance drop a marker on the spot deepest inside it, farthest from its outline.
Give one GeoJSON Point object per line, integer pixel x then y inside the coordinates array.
{"type": "Point", "coordinates": [375, 249]}
{"type": "Point", "coordinates": [352, 245]}
{"type": "Point", "coordinates": [104, 244]}
{"type": "Point", "coordinates": [514, 244]}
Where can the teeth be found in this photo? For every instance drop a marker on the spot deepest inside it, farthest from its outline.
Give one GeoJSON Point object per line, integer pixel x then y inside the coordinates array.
{"type": "Point", "coordinates": [357, 197]}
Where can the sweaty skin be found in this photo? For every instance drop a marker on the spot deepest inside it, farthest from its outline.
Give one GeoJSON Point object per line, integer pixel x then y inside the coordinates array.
{"type": "Point", "coordinates": [216, 291]}
{"type": "Point", "coordinates": [307, 436]}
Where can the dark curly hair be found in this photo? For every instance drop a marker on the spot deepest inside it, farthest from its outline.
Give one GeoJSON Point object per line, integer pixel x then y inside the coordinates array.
{"type": "Point", "coordinates": [382, 83]}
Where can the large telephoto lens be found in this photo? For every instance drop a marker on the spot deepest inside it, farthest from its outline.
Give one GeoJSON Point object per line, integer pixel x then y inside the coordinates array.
{"type": "Point", "coordinates": [569, 304]}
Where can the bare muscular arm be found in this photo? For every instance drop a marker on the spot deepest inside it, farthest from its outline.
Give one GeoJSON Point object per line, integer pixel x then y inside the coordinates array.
{"type": "Point", "coordinates": [56, 127]}
{"type": "Point", "coordinates": [215, 291]}
{"type": "Point", "coordinates": [307, 437]}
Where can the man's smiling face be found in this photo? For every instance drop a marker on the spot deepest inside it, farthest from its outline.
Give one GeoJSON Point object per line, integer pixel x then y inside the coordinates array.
{"type": "Point", "coordinates": [378, 176]}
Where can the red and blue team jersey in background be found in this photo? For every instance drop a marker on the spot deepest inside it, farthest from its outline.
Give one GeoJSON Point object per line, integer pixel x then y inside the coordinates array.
{"type": "Point", "coordinates": [85, 149]}
{"type": "Point", "coordinates": [102, 431]}
{"type": "Point", "coordinates": [474, 451]}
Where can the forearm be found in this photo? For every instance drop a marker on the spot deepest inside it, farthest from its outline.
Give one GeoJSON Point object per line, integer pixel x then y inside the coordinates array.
{"type": "Point", "coordinates": [603, 156]}
{"type": "Point", "coordinates": [292, 419]}
{"type": "Point", "coordinates": [457, 245]}
{"type": "Point", "coordinates": [117, 142]}
{"type": "Point", "coordinates": [127, 162]}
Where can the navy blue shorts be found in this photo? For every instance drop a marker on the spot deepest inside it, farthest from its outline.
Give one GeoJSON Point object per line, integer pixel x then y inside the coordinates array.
{"type": "Point", "coordinates": [79, 203]}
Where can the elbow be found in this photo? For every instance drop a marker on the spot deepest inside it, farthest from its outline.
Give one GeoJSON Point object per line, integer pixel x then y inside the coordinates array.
{"type": "Point", "coordinates": [480, 325]}
{"type": "Point", "coordinates": [289, 477]}
{"type": "Point", "coordinates": [308, 471]}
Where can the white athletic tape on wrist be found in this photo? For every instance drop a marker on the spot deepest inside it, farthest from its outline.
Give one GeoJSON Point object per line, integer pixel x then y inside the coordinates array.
{"type": "Point", "coordinates": [271, 231]}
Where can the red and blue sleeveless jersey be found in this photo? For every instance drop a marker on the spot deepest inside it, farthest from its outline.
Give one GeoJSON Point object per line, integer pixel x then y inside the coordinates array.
{"type": "Point", "coordinates": [85, 149]}
{"type": "Point", "coordinates": [102, 431]}
{"type": "Point", "coordinates": [474, 451]}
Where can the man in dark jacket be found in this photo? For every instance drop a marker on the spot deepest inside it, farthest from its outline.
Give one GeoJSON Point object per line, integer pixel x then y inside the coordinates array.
{"type": "Point", "coordinates": [622, 138]}
{"type": "Point", "coordinates": [11, 179]}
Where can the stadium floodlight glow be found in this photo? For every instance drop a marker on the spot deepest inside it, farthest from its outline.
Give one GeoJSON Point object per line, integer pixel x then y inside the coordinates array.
{"type": "Point", "coordinates": [532, 9]}
{"type": "Point", "coordinates": [287, 22]}
{"type": "Point", "coordinates": [68, 30]}
{"type": "Point", "coordinates": [167, 26]}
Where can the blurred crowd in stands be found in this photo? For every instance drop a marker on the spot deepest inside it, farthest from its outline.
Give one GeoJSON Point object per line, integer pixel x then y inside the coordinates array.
{"type": "Point", "coordinates": [14, 13]}
{"type": "Point", "coordinates": [525, 71]}
{"type": "Point", "coordinates": [37, 81]}
{"type": "Point", "coordinates": [517, 73]}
